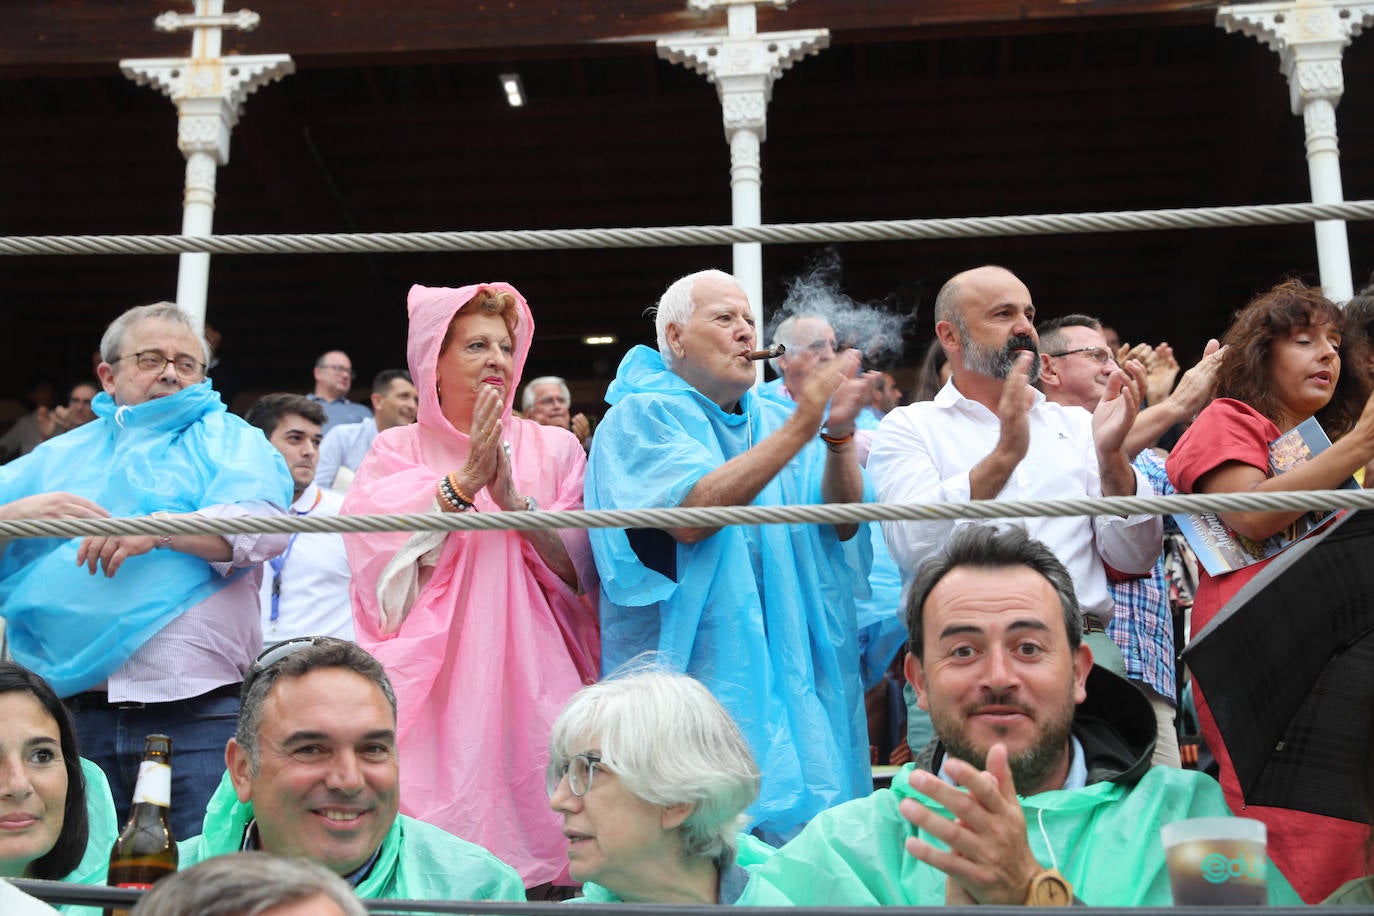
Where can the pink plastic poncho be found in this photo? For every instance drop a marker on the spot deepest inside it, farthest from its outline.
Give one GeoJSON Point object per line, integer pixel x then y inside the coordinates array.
{"type": "Point", "coordinates": [495, 642]}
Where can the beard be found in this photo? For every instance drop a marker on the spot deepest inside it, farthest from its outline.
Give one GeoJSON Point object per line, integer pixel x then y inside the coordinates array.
{"type": "Point", "coordinates": [1032, 765]}
{"type": "Point", "coordinates": [997, 363]}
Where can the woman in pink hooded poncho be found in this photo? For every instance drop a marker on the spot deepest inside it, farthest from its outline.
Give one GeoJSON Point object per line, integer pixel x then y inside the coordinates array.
{"type": "Point", "coordinates": [485, 634]}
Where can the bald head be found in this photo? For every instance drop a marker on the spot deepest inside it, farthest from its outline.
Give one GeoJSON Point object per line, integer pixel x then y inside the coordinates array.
{"type": "Point", "coordinates": [949, 300]}
{"type": "Point", "coordinates": [984, 318]}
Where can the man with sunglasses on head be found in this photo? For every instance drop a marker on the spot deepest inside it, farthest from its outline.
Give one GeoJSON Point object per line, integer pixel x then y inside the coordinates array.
{"type": "Point", "coordinates": [313, 773]}
{"type": "Point", "coordinates": [988, 434]}
{"type": "Point", "coordinates": [150, 632]}
{"type": "Point", "coordinates": [333, 380]}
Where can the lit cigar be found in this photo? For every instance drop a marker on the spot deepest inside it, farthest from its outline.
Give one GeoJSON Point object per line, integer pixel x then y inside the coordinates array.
{"type": "Point", "coordinates": [771, 353]}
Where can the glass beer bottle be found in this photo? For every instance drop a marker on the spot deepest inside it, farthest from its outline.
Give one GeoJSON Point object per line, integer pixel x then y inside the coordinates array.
{"type": "Point", "coordinates": [146, 849]}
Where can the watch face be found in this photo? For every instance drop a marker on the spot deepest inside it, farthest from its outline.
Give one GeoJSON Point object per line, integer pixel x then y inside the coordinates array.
{"type": "Point", "coordinates": [1051, 890]}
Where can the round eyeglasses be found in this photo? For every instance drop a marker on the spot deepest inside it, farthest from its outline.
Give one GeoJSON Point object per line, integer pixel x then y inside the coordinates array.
{"type": "Point", "coordinates": [155, 361]}
{"type": "Point", "coordinates": [580, 770]}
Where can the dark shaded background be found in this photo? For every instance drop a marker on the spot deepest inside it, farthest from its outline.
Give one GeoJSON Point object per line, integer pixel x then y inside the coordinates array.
{"type": "Point", "coordinates": [397, 122]}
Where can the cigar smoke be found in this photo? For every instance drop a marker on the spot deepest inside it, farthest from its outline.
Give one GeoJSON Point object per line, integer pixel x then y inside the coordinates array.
{"type": "Point", "coordinates": [876, 328]}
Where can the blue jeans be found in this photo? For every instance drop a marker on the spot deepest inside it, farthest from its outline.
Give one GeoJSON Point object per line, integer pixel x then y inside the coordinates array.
{"type": "Point", "coordinates": [200, 727]}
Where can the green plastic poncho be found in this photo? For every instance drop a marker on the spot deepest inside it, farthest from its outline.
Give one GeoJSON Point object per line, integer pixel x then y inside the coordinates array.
{"type": "Point", "coordinates": [104, 828]}
{"type": "Point", "coordinates": [418, 861]}
{"type": "Point", "coordinates": [751, 852]}
{"type": "Point", "coordinates": [1103, 838]}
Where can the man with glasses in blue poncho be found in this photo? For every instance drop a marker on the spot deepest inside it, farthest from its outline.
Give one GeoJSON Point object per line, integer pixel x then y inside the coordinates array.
{"type": "Point", "coordinates": [1037, 789]}
{"type": "Point", "coordinates": [145, 633]}
{"type": "Point", "coordinates": [762, 614]}
{"type": "Point", "coordinates": [313, 773]}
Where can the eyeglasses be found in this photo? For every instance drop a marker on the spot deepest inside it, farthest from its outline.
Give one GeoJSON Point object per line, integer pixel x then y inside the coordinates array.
{"type": "Point", "coordinates": [155, 361]}
{"type": "Point", "coordinates": [579, 768]}
{"type": "Point", "coordinates": [275, 653]}
{"type": "Point", "coordinates": [346, 370]}
{"type": "Point", "coordinates": [1098, 355]}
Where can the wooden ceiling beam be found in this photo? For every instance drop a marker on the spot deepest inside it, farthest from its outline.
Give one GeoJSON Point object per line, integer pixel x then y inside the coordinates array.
{"type": "Point", "coordinates": [41, 34]}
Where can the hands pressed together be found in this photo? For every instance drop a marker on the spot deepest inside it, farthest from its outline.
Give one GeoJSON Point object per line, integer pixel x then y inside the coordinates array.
{"type": "Point", "coordinates": [488, 464]}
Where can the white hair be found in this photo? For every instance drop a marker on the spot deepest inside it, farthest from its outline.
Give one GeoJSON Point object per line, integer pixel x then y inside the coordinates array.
{"type": "Point", "coordinates": [112, 341]}
{"type": "Point", "coordinates": [670, 742]}
{"type": "Point", "coordinates": [676, 305]}
{"type": "Point", "coordinates": [527, 398]}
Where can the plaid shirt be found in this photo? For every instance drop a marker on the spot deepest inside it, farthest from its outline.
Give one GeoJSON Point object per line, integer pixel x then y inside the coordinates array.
{"type": "Point", "coordinates": [1143, 624]}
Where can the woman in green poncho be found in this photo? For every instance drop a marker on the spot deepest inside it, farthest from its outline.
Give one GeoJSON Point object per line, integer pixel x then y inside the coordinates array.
{"type": "Point", "coordinates": [55, 808]}
{"type": "Point", "coordinates": [651, 776]}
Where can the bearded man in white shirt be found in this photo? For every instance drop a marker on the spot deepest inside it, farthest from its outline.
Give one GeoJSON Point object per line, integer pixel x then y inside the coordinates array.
{"type": "Point", "coordinates": [989, 435]}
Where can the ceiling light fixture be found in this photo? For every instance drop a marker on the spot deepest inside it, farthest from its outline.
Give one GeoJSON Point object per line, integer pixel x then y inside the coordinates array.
{"type": "Point", "coordinates": [599, 340]}
{"type": "Point", "coordinates": [514, 89]}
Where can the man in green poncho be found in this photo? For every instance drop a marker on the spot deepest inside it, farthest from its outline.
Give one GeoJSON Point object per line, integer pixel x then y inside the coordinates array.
{"type": "Point", "coordinates": [1037, 789]}
{"type": "Point", "coordinates": [313, 773]}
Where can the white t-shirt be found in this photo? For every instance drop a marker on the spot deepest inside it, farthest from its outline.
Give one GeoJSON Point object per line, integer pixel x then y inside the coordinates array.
{"type": "Point", "coordinates": [314, 579]}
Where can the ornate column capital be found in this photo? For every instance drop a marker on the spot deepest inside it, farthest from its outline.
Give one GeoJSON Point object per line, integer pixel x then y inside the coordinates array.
{"type": "Point", "coordinates": [209, 90]}
{"type": "Point", "coordinates": [209, 94]}
{"type": "Point", "coordinates": [743, 68]}
{"type": "Point", "coordinates": [1309, 36]}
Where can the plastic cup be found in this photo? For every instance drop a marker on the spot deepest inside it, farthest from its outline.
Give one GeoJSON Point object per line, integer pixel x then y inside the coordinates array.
{"type": "Point", "coordinates": [1216, 861]}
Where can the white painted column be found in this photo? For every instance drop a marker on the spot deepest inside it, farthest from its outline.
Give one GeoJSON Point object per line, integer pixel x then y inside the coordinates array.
{"type": "Point", "coordinates": [209, 91]}
{"type": "Point", "coordinates": [746, 209]}
{"type": "Point", "coordinates": [743, 64]}
{"type": "Point", "coordinates": [197, 219]}
{"type": "Point", "coordinates": [1310, 37]}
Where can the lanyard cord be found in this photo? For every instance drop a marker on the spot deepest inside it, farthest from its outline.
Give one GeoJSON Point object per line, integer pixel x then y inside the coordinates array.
{"type": "Point", "coordinates": [279, 562]}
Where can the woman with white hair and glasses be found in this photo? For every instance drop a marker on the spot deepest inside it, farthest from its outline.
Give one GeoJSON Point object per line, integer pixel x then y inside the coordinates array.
{"type": "Point", "coordinates": [652, 777]}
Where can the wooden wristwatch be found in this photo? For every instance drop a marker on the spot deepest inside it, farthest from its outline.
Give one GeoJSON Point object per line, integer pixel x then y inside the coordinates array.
{"type": "Point", "coordinates": [1049, 888]}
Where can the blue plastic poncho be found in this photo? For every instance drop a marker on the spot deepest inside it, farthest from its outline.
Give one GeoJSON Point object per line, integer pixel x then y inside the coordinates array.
{"type": "Point", "coordinates": [878, 602]}
{"type": "Point", "coordinates": [763, 615]}
{"type": "Point", "coordinates": [175, 454]}
{"type": "Point", "coordinates": [1103, 838]}
{"type": "Point", "coordinates": [882, 621]}
{"type": "Point", "coordinates": [418, 861]}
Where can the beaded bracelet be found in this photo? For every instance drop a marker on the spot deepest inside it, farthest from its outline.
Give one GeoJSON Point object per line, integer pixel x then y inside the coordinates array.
{"type": "Point", "coordinates": [457, 490]}
{"type": "Point", "coordinates": [451, 498]}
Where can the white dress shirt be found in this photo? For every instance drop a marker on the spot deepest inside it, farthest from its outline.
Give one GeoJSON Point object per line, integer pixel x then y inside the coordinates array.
{"type": "Point", "coordinates": [922, 453]}
{"type": "Point", "coordinates": [314, 579]}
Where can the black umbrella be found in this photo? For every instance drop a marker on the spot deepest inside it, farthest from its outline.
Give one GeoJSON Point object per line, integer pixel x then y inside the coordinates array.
{"type": "Point", "coordinates": [1288, 670]}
